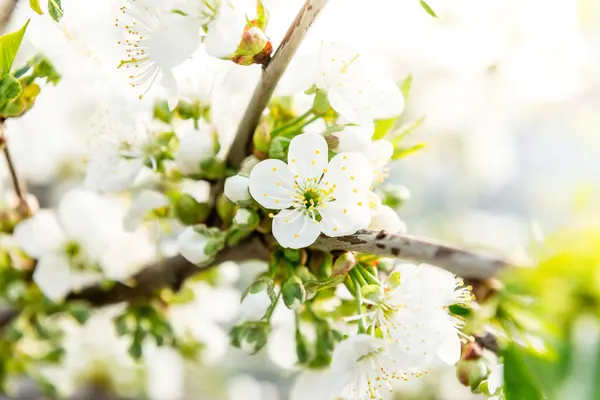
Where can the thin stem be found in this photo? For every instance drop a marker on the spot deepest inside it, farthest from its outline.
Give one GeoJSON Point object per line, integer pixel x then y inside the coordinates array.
{"type": "Point", "coordinates": [358, 298]}
{"type": "Point", "coordinates": [19, 190]}
{"type": "Point", "coordinates": [271, 308]}
{"type": "Point", "coordinates": [291, 123]}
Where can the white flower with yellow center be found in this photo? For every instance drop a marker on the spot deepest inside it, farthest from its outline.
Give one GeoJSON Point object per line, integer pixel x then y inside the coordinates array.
{"type": "Point", "coordinates": [156, 40]}
{"type": "Point", "coordinates": [315, 196]}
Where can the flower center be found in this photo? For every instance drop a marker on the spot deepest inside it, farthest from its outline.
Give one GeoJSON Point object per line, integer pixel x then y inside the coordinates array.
{"type": "Point", "coordinates": [312, 198]}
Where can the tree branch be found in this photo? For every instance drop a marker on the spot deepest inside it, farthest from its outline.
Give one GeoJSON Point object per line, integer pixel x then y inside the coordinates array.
{"type": "Point", "coordinates": [20, 191]}
{"type": "Point", "coordinates": [460, 262]}
{"type": "Point", "coordinates": [270, 77]}
{"type": "Point", "coordinates": [170, 272]}
{"type": "Point", "coordinates": [7, 8]}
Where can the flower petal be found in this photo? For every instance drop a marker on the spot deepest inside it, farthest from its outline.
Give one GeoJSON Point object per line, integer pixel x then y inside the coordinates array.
{"type": "Point", "coordinates": [295, 230]}
{"type": "Point", "coordinates": [341, 218]}
{"type": "Point", "coordinates": [380, 153]}
{"type": "Point", "coordinates": [354, 138]}
{"type": "Point", "coordinates": [224, 33]}
{"type": "Point", "coordinates": [53, 276]}
{"type": "Point", "coordinates": [108, 171]}
{"type": "Point", "coordinates": [272, 184]}
{"type": "Point", "coordinates": [307, 156]}
{"type": "Point", "coordinates": [349, 175]}
{"type": "Point", "coordinates": [143, 203]}
{"type": "Point", "coordinates": [170, 84]}
{"type": "Point", "coordinates": [39, 234]}
{"type": "Point", "coordinates": [449, 350]}
{"type": "Point", "coordinates": [385, 218]}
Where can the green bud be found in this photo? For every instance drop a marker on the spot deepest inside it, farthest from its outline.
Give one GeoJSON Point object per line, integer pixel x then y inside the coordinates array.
{"type": "Point", "coordinates": [332, 141]}
{"type": "Point", "coordinates": [385, 264]}
{"type": "Point", "coordinates": [246, 219]}
{"type": "Point", "coordinates": [304, 274]}
{"type": "Point", "coordinates": [226, 209]}
{"type": "Point", "coordinates": [262, 138]}
{"type": "Point", "coordinates": [292, 255]}
{"type": "Point", "coordinates": [472, 372]}
{"type": "Point", "coordinates": [255, 47]}
{"type": "Point", "coordinates": [394, 195]}
{"type": "Point", "coordinates": [250, 336]}
{"type": "Point", "coordinates": [301, 348]}
{"type": "Point", "coordinates": [293, 293]}
{"type": "Point", "coordinates": [189, 211]}
{"type": "Point", "coordinates": [344, 264]}
{"type": "Point", "coordinates": [249, 163]}
{"type": "Point", "coordinates": [278, 148]}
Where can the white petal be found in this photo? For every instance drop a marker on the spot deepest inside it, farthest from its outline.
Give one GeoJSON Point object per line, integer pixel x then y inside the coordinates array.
{"type": "Point", "coordinates": [175, 39]}
{"type": "Point", "coordinates": [354, 138]}
{"type": "Point", "coordinates": [349, 351]}
{"type": "Point", "coordinates": [198, 190]}
{"type": "Point", "coordinates": [195, 146]}
{"type": "Point", "coordinates": [314, 385]}
{"type": "Point", "coordinates": [143, 203]}
{"type": "Point", "coordinates": [39, 234]}
{"type": "Point", "coordinates": [236, 188]}
{"type": "Point", "coordinates": [449, 350]}
{"type": "Point", "coordinates": [308, 155]}
{"type": "Point", "coordinates": [79, 213]}
{"type": "Point", "coordinates": [340, 218]}
{"type": "Point", "coordinates": [255, 305]}
{"type": "Point", "coordinates": [53, 276]}
{"type": "Point", "coordinates": [295, 230]}
{"type": "Point", "coordinates": [385, 218]}
{"type": "Point", "coordinates": [345, 107]}
{"type": "Point", "coordinates": [379, 153]}
{"type": "Point", "coordinates": [496, 378]}
{"type": "Point", "coordinates": [191, 246]}
{"type": "Point", "coordinates": [170, 84]}
{"type": "Point", "coordinates": [108, 171]}
{"type": "Point", "coordinates": [272, 184]}
{"type": "Point", "coordinates": [224, 33]}
{"type": "Point", "coordinates": [165, 372]}
{"type": "Point", "coordinates": [351, 173]}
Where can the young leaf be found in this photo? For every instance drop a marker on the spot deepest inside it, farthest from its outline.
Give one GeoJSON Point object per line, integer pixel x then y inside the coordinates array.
{"type": "Point", "coordinates": [383, 127]}
{"type": "Point", "coordinates": [9, 46]}
{"type": "Point", "coordinates": [35, 6]}
{"type": "Point", "coordinates": [55, 9]}
{"type": "Point", "coordinates": [519, 383]}
{"type": "Point", "coordinates": [427, 8]}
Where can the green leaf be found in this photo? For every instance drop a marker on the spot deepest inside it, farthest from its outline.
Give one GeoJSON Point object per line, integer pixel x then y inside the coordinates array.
{"type": "Point", "coordinates": [55, 9]}
{"type": "Point", "coordinates": [405, 86]}
{"type": "Point", "coordinates": [405, 151]}
{"type": "Point", "coordinates": [382, 127]}
{"type": "Point", "coordinates": [10, 89]}
{"type": "Point", "coordinates": [427, 8]}
{"type": "Point", "coordinates": [9, 47]}
{"type": "Point", "coordinates": [35, 6]}
{"type": "Point", "coordinates": [262, 15]}
{"type": "Point", "coordinates": [519, 383]}
{"type": "Point", "coordinates": [401, 133]}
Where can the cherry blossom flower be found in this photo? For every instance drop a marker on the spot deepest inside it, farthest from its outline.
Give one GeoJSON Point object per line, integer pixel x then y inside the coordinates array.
{"type": "Point", "coordinates": [314, 196]}
{"type": "Point", "coordinates": [195, 146]}
{"type": "Point", "coordinates": [156, 40]}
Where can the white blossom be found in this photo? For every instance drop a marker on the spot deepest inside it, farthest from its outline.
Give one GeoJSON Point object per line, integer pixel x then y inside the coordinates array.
{"type": "Point", "coordinates": [385, 218]}
{"type": "Point", "coordinates": [156, 40]}
{"type": "Point", "coordinates": [192, 246]}
{"type": "Point", "coordinates": [315, 196]}
{"type": "Point", "coordinates": [236, 188]}
{"type": "Point", "coordinates": [225, 32]}
{"type": "Point", "coordinates": [195, 146]}
{"type": "Point", "coordinates": [142, 204]}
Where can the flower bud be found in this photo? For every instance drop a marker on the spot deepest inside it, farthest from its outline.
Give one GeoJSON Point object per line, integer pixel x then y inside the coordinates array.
{"type": "Point", "coordinates": [385, 264]}
{"type": "Point", "coordinates": [255, 47]}
{"type": "Point", "coordinates": [246, 219]}
{"type": "Point", "coordinates": [261, 140]}
{"type": "Point", "coordinates": [225, 209]}
{"type": "Point", "coordinates": [195, 146]}
{"type": "Point", "coordinates": [394, 195]}
{"type": "Point", "coordinates": [472, 373]}
{"type": "Point", "coordinates": [236, 188]}
{"type": "Point", "coordinates": [249, 163]}
{"type": "Point", "coordinates": [198, 244]}
{"type": "Point", "coordinates": [344, 264]}
{"type": "Point", "coordinates": [250, 336]}
{"type": "Point", "coordinates": [257, 299]}
{"type": "Point", "coordinates": [332, 141]}
{"type": "Point", "coordinates": [293, 293]}
{"type": "Point", "coordinates": [189, 211]}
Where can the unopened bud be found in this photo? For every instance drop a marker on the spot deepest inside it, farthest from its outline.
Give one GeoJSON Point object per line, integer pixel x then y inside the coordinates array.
{"type": "Point", "coordinates": [293, 293]}
{"type": "Point", "coordinates": [246, 219]}
{"type": "Point", "coordinates": [196, 247]}
{"type": "Point", "coordinates": [344, 264]}
{"type": "Point", "coordinates": [261, 139]}
{"type": "Point", "coordinates": [255, 47]}
{"type": "Point", "coordinates": [321, 102]}
{"type": "Point", "coordinates": [225, 209]}
{"type": "Point", "coordinates": [248, 164]}
{"type": "Point", "coordinates": [250, 336]}
{"type": "Point", "coordinates": [471, 373]}
{"type": "Point", "coordinates": [472, 351]}
{"type": "Point", "coordinates": [385, 264]}
{"type": "Point", "coordinates": [236, 188]}
{"type": "Point", "coordinates": [189, 211]}
{"type": "Point", "coordinates": [332, 141]}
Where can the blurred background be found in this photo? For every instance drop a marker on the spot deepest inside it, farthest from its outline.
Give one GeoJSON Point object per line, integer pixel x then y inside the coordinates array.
{"type": "Point", "coordinates": [510, 91]}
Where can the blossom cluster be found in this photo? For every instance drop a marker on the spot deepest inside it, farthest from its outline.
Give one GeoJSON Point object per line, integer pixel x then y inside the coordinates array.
{"type": "Point", "coordinates": [166, 98]}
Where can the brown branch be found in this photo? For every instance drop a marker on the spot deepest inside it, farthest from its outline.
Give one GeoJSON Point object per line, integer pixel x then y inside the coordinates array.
{"type": "Point", "coordinates": [7, 8]}
{"type": "Point", "coordinates": [270, 77]}
{"type": "Point", "coordinates": [20, 190]}
{"type": "Point", "coordinates": [460, 262]}
{"type": "Point", "coordinates": [168, 273]}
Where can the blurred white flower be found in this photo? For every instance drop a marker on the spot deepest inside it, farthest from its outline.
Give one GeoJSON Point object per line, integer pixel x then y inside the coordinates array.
{"type": "Point", "coordinates": [195, 146]}
{"type": "Point", "coordinates": [192, 246]}
{"type": "Point", "coordinates": [385, 218]}
{"type": "Point", "coordinates": [142, 204]}
{"type": "Point", "coordinates": [315, 196]}
{"type": "Point", "coordinates": [254, 306]}
{"type": "Point", "coordinates": [496, 378]}
{"type": "Point", "coordinates": [225, 32]}
{"type": "Point", "coordinates": [236, 188]}
{"type": "Point", "coordinates": [156, 40]}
